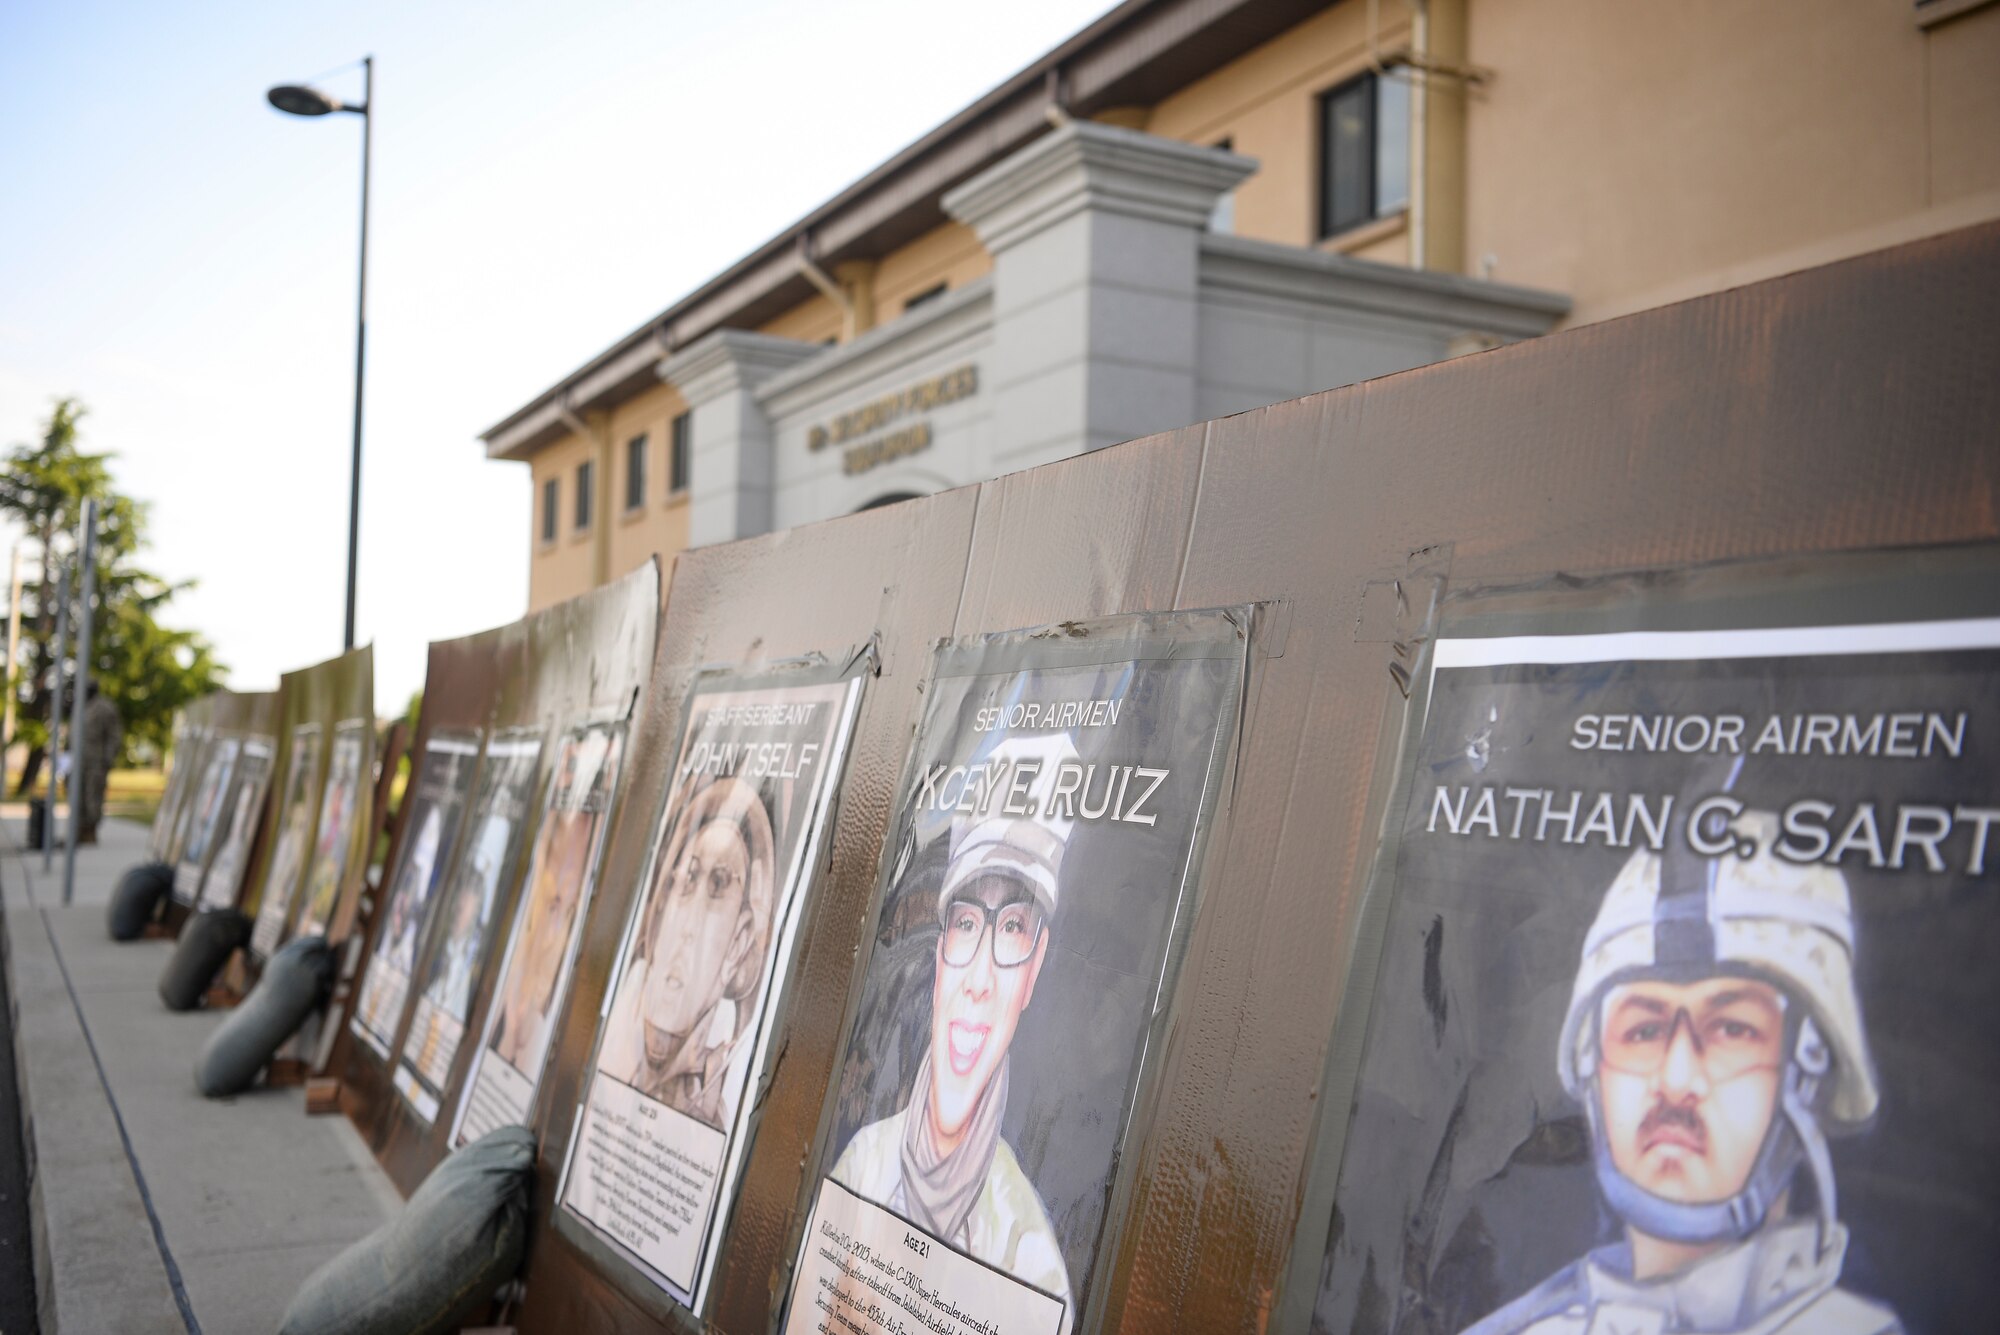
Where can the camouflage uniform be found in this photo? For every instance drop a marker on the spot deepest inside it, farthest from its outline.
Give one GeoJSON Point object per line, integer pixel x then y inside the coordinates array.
{"type": "Point", "coordinates": [1007, 1228]}
{"type": "Point", "coordinates": [103, 730]}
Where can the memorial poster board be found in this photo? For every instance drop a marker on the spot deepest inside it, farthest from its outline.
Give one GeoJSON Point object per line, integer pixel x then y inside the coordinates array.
{"type": "Point", "coordinates": [210, 803]}
{"type": "Point", "coordinates": [665, 1123]}
{"type": "Point", "coordinates": [224, 877]}
{"type": "Point", "coordinates": [182, 756]}
{"type": "Point", "coordinates": [1036, 890]}
{"type": "Point", "coordinates": [437, 799]}
{"type": "Point", "coordinates": [462, 918]}
{"type": "Point", "coordinates": [163, 815]}
{"type": "Point", "coordinates": [286, 863]}
{"type": "Point", "coordinates": [343, 824]}
{"type": "Point", "coordinates": [1681, 1015]}
{"type": "Point", "coordinates": [506, 1074]}
{"type": "Point", "coordinates": [200, 743]}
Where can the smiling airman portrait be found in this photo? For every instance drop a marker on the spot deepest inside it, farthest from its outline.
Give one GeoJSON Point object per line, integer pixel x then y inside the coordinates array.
{"type": "Point", "coordinates": [941, 1162]}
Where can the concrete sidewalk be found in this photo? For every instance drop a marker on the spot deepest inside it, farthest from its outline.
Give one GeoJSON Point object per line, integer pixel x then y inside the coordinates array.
{"type": "Point", "coordinates": [154, 1209]}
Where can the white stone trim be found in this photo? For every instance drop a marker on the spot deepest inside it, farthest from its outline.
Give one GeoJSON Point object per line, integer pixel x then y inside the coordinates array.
{"type": "Point", "coordinates": [731, 359]}
{"type": "Point", "coordinates": [1085, 165]}
{"type": "Point", "coordinates": [960, 317]}
{"type": "Point", "coordinates": [1263, 275]}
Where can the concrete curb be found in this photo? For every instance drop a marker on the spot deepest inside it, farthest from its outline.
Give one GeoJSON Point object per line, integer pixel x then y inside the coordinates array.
{"type": "Point", "coordinates": [248, 1196]}
{"type": "Point", "coordinates": [98, 1265]}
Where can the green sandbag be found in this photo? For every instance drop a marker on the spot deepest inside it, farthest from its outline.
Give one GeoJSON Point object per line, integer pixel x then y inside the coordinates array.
{"type": "Point", "coordinates": [459, 1237]}
{"type": "Point", "coordinates": [296, 980]}
{"type": "Point", "coordinates": [136, 900]}
{"type": "Point", "coordinates": [207, 941]}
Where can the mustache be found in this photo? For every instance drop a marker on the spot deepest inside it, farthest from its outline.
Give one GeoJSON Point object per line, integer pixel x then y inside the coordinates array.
{"type": "Point", "coordinates": [1664, 1115]}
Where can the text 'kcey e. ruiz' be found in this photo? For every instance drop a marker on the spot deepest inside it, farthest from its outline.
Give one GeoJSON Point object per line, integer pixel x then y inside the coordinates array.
{"type": "Point", "coordinates": [1079, 790]}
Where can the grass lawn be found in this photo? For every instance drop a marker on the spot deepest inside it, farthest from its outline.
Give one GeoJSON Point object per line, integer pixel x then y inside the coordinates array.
{"type": "Point", "coordinates": [131, 793]}
{"type": "Point", "coordinates": [134, 794]}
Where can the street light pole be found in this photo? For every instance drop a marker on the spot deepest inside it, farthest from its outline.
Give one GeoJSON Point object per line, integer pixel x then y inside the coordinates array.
{"type": "Point", "coordinates": [301, 100]}
{"type": "Point", "coordinates": [55, 724]}
{"type": "Point", "coordinates": [79, 782]}
{"type": "Point", "coordinates": [360, 347]}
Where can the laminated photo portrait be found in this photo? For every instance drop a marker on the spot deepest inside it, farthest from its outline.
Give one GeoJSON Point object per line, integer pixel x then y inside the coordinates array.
{"type": "Point", "coordinates": [339, 813]}
{"type": "Point", "coordinates": [534, 975]}
{"type": "Point", "coordinates": [287, 860]}
{"type": "Point", "coordinates": [1042, 865]}
{"type": "Point", "coordinates": [1679, 1025]}
{"type": "Point", "coordinates": [438, 791]}
{"type": "Point", "coordinates": [463, 917]}
{"type": "Point", "coordinates": [663, 1131]}
{"type": "Point", "coordinates": [209, 804]}
{"type": "Point", "coordinates": [223, 880]}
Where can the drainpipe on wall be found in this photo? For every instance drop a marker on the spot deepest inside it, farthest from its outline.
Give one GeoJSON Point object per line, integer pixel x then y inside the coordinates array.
{"type": "Point", "coordinates": [857, 281]}
{"type": "Point", "coordinates": [1055, 88]}
{"type": "Point", "coordinates": [1441, 80]}
{"type": "Point", "coordinates": [830, 289]}
{"type": "Point", "coordinates": [600, 504]}
{"type": "Point", "coordinates": [1420, 26]}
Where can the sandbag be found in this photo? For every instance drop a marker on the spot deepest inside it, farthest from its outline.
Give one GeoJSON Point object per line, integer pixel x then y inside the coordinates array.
{"type": "Point", "coordinates": [207, 941]}
{"type": "Point", "coordinates": [459, 1237]}
{"type": "Point", "coordinates": [137, 899]}
{"type": "Point", "coordinates": [295, 980]}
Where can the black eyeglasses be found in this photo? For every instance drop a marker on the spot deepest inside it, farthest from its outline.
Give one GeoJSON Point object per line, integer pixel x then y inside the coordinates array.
{"type": "Point", "coordinates": [718, 881]}
{"type": "Point", "coordinates": [1016, 929]}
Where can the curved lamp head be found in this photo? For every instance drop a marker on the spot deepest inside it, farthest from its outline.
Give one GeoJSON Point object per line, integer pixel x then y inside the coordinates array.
{"type": "Point", "coordinates": [296, 99]}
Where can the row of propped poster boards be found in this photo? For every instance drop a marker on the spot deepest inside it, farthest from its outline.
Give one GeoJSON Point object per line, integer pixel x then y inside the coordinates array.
{"type": "Point", "coordinates": [269, 804]}
{"type": "Point", "coordinates": [1506, 847]}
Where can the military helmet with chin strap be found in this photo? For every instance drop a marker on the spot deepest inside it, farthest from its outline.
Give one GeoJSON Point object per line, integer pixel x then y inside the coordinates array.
{"type": "Point", "coordinates": [1679, 916]}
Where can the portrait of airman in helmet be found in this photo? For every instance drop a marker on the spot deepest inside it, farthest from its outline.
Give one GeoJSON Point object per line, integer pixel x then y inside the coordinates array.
{"type": "Point", "coordinates": [1715, 1041]}
{"type": "Point", "coordinates": [1679, 1020]}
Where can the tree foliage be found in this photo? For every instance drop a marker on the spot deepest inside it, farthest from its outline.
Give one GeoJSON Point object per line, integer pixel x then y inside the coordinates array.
{"type": "Point", "coordinates": [148, 669]}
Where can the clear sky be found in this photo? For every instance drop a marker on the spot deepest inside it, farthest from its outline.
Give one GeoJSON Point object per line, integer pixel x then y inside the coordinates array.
{"type": "Point", "coordinates": [182, 257]}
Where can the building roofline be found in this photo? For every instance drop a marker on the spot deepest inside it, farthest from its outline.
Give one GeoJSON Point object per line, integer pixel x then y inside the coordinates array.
{"type": "Point", "coordinates": [1135, 53]}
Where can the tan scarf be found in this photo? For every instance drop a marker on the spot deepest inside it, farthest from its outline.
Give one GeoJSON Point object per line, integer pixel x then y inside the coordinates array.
{"type": "Point", "coordinates": [940, 1189]}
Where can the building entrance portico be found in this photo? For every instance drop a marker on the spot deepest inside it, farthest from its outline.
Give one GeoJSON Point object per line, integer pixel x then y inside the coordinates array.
{"type": "Point", "coordinates": [1110, 312]}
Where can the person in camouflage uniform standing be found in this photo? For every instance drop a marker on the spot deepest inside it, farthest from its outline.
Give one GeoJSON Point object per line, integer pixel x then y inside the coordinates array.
{"type": "Point", "coordinates": [103, 731]}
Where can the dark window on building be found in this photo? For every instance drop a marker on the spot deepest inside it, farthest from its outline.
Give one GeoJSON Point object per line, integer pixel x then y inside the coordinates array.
{"type": "Point", "coordinates": [551, 499]}
{"type": "Point", "coordinates": [635, 472]}
{"type": "Point", "coordinates": [1364, 151]}
{"type": "Point", "coordinates": [583, 481]}
{"type": "Point", "coordinates": [931, 293]}
{"type": "Point", "coordinates": [680, 444]}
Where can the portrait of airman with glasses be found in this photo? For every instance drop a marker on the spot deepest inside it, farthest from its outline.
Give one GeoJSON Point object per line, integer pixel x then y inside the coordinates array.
{"type": "Point", "coordinates": [689, 989]}
{"type": "Point", "coordinates": [941, 1162]}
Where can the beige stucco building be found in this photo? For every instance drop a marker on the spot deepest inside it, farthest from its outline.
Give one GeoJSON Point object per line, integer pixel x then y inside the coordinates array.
{"type": "Point", "coordinates": [1195, 207]}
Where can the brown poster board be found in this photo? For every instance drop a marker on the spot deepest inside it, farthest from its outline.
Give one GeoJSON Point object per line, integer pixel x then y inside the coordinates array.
{"type": "Point", "coordinates": [520, 689]}
{"type": "Point", "coordinates": [236, 841]}
{"type": "Point", "coordinates": [313, 852]}
{"type": "Point", "coordinates": [822, 592]}
{"type": "Point", "coordinates": [1837, 410]}
{"type": "Point", "coordinates": [180, 756]}
{"type": "Point", "coordinates": [193, 732]}
{"type": "Point", "coordinates": [221, 804]}
{"type": "Point", "coordinates": [227, 798]}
